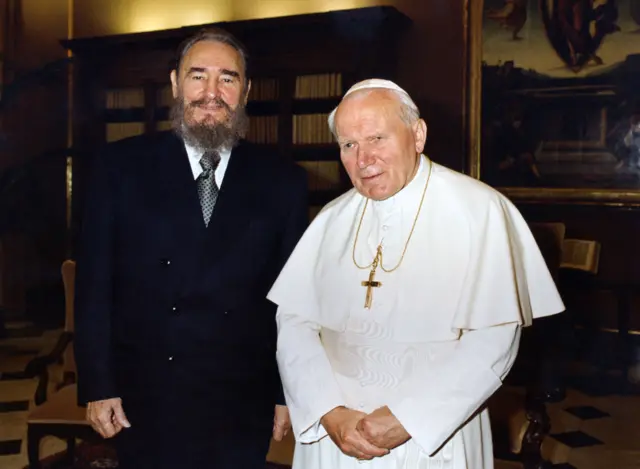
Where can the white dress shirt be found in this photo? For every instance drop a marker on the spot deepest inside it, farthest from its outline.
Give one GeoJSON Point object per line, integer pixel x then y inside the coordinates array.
{"type": "Point", "coordinates": [194, 160]}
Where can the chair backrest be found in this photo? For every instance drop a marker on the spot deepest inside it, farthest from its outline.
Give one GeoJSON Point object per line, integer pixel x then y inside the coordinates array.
{"type": "Point", "coordinates": [68, 279]}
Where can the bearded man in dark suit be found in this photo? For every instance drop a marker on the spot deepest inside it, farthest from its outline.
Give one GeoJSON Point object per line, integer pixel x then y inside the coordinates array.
{"type": "Point", "coordinates": [183, 234]}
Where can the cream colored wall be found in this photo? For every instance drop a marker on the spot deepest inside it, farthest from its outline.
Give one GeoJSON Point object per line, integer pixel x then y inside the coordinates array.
{"type": "Point", "coordinates": [44, 23]}
{"type": "Point", "coordinates": [34, 124]}
{"type": "Point", "coordinates": [32, 118]}
{"type": "Point", "coordinates": [93, 18]}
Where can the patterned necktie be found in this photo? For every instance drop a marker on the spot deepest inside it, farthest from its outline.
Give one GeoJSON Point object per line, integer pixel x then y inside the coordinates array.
{"type": "Point", "coordinates": [207, 187]}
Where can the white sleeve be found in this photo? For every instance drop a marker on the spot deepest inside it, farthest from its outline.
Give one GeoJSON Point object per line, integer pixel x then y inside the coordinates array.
{"type": "Point", "coordinates": [434, 405]}
{"type": "Point", "coordinates": [309, 385]}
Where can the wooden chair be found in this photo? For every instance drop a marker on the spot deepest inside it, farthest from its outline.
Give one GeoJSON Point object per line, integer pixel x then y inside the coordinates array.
{"type": "Point", "coordinates": [58, 414]}
{"type": "Point", "coordinates": [280, 454]}
{"type": "Point", "coordinates": [519, 416]}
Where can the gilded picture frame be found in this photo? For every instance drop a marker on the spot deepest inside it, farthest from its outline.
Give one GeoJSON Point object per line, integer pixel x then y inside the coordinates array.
{"type": "Point", "coordinates": [607, 190]}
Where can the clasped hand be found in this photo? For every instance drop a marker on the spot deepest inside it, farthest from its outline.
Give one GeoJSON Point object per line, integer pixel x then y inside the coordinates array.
{"type": "Point", "coordinates": [364, 436]}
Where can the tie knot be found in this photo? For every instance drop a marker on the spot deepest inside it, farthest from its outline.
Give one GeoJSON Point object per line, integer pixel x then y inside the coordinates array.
{"type": "Point", "coordinates": [210, 161]}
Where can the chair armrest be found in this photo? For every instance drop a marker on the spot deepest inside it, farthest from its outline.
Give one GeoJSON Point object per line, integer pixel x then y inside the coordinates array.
{"type": "Point", "coordinates": [39, 366]}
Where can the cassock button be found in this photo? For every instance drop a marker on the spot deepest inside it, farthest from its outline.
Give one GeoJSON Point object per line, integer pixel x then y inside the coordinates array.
{"type": "Point", "coordinates": [170, 359]}
{"type": "Point", "coordinates": [165, 262]}
{"type": "Point", "coordinates": [385, 227]}
{"type": "Point", "coordinates": [175, 309]}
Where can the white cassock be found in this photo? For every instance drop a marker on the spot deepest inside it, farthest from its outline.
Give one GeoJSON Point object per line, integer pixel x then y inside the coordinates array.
{"type": "Point", "coordinates": [443, 329]}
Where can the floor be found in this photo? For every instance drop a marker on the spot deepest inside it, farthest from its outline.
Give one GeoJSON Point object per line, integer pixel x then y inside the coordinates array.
{"type": "Point", "coordinates": [597, 426]}
{"type": "Point", "coordinates": [16, 392]}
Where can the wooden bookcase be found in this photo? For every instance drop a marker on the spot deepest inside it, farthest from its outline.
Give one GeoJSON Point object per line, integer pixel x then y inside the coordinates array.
{"type": "Point", "coordinates": [299, 65]}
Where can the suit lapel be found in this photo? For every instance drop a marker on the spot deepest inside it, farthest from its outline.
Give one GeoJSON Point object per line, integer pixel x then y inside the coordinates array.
{"type": "Point", "coordinates": [235, 205]}
{"type": "Point", "coordinates": [177, 190]}
{"type": "Point", "coordinates": [177, 195]}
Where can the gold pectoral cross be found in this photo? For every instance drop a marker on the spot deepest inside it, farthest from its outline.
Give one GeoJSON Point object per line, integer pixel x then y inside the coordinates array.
{"type": "Point", "coordinates": [372, 283]}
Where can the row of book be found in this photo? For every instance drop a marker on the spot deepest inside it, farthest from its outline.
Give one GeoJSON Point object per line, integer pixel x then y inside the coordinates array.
{"type": "Point", "coordinates": [311, 129]}
{"type": "Point", "coordinates": [319, 86]}
{"type": "Point", "coordinates": [307, 129]}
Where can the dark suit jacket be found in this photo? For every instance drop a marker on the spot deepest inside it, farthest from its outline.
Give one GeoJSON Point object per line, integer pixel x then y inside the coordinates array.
{"type": "Point", "coordinates": [171, 314]}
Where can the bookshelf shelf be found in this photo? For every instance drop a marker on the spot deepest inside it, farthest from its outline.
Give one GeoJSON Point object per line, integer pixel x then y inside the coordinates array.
{"type": "Point", "coordinates": [125, 115]}
{"type": "Point", "coordinates": [162, 113]}
{"type": "Point", "coordinates": [316, 152]}
{"type": "Point", "coordinates": [314, 106]}
{"type": "Point", "coordinates": [122, 84]}
{"type": "Point", "coordinates": [263, 108]}
{"type": "Point", "coordinates": [267, 147]}
{"type": "Point", "coordinates": [256, 108]}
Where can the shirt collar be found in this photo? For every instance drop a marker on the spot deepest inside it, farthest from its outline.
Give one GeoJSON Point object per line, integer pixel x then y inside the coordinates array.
{"type": "Point", "coordinates": [195, 154]}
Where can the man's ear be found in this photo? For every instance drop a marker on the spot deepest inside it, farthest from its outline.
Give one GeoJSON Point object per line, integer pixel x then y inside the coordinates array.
{"type": "Point", "coordinates": [246, 95]}
{"type": "Point", "coordinates": [174, 83]}
{"type": "Point", "coordinates": [420, 135]}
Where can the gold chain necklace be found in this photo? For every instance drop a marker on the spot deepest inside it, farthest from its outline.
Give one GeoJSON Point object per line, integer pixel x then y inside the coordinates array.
{"type": "Point", "coordinates": [377, 260]}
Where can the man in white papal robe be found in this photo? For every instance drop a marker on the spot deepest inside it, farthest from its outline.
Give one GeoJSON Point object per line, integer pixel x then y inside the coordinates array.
{"type": "Point", "coordinates": [400, 310]}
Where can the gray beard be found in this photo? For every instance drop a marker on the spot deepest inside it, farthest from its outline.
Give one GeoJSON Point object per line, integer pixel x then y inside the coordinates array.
{"type": "Point", "coordinates": [207, 136]}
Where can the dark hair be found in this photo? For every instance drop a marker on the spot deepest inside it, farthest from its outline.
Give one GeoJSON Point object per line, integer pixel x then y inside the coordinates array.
{"type": "Point", "coordinates": [213, 35]}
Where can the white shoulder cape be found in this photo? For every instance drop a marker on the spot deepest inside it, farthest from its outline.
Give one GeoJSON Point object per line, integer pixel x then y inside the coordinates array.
{"type": "Point", "coordinates": [502, 276]}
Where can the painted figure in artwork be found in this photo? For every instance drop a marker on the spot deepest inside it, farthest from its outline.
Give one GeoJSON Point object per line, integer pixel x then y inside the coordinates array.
{"type": "Point", "coordinates": [513, 16]}
{"type": "Point", "coordinates": [577, 28]}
